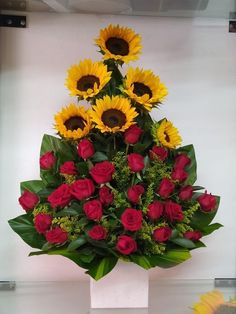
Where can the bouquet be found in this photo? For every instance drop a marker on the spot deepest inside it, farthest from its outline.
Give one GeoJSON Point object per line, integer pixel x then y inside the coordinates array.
{"type": "Point", "coordinates": [115, 184]}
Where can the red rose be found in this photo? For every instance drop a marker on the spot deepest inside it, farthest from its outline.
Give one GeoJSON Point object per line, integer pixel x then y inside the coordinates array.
{"type": "Point", "coordinates": [28, 200]}
{"type": "Point", "coordinates": [135, 162]}
{"type": "Point", "coordinates": [61, 197]}
{"type": "Point", "coordinates": [155, 210]}
{"type": "Point", "coordinates": [56, 236]}
{"type": "Point", "coordinates": [158, 152]}
{"type": "Point", "coordinates": [132, 135]}
{"type": "Point", "coordinates": [193, 235]}
{"type": "Point", "coordinates": [135, 192]}
{"type": "Point", "coordinates": [162, 234]}
{"type": "Point", "coordinates": [173, 211]}
{"type": "Point", "coordinates": [207, 202]}
{"type": "Point", "coordinates": [179, 174]}
{"type": "Point", "coordinates": [85, 149]}
{"type": "Point", "coordinates": [102, 172]}
{"type": "Point", "coordinates": [47, 160]}
{"type": "Point", "coordinates": [181, 161]}
{"type": "Point", "coordinates": [68, 168]}
{"type": "Point", "coordinates": [42, 222]}
{"type": "Point", "coordinates": [97, 233]}
{"type": "Point", "coordinates": [166, 187]}
{"type": "Point", "coordinates": [93, 209]}
{"type": "Point", "coordinates": [132, 219]}
{"type": "Point", "coordinates": [126, 245]}
{"type": "Point", "coordinates": [105, 195]}
{"type": "Point", "coordinates": [186, 193]}
{"type": "Point", "coordinates": [82, 189]}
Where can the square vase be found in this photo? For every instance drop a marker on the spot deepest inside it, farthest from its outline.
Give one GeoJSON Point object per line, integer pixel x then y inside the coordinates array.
{"type": "Point", "coordinates": [126, 286]}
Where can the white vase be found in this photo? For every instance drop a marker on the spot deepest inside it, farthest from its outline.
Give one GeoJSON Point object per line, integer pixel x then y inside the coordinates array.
{"type": "Point", "coordinates": [126, 286]}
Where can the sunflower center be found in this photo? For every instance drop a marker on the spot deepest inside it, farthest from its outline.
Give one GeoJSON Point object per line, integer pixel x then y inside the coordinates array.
{"type": "Point", "coordinates": [141, 89]}
{"type": "Point", "coordinates": [167, 138]}
{"type": "Point", "coordinates": [117, 46]}
{"type": "Point", "coordinates": [225, 309]}
{"type": "Point", "coordinates": [113, 118]}
{"type": "Point", "coordinates": [74, 123]}
{"type": "Point", "coordinates": [86, 82]}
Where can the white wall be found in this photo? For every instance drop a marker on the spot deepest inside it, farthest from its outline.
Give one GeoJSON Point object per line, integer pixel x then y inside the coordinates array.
{"type": "Point", "coordinates": [196, 60]}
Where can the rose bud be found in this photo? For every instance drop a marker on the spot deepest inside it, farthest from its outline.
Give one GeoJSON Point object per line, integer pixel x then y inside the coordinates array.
{"type": "Point", "coordinates": [179, 174]}
{"type": "Point", "coordinates": [158, 152]}
{"type": "Point", "coordinates": [60, 197]}
{"type": "Point", "coordinates": [102, 172]}
{"type": "Point", "coordinates": [155, 210]}
{"type": "Point", "coordinates": [135, 162]}
{"type": "Point", "coordinates": [181, 161]}
{"type": "Point", "coordinates": [56, 236]}
{"type": "Point", "coordinates": [82, 189]}
{"type": "Point", "coordinates": [126, 245]}
{"type": "Point", "coordinates": [166, 187]}
{"type": "Point", "coordinates": [133, 134]}
{"type": "Point", "coordinates": [68, 168]}
{"type": "Point", "coordinates": [135, 192]}
{"type": "Point", "coordinates": [93, 209]}
{"type": "Point", "coordinates": [173, 211]}
{"type": "Point", "coordinates": [193, 235]}
{"type": "Point", "coordinates": [186, 193]}
{"type": "Point", "coordinates": [28, 200]}
{"type": "Point", "coordinates": [105, 195]}
{"type": "Point", "coordinates": [162, 234]}
{"type": "Point", "coordinates": [97, 233]}
{"type": "Point", "coordinates": [207, 202]}
{"type": "Point", "coordinates": [42, 222]}
{"type": "Point", "coordinates": [85, 149]}
{"type": "Point", "coordinates": [47, 161]}
{"type": "Point", "coordinates": [131, 219]}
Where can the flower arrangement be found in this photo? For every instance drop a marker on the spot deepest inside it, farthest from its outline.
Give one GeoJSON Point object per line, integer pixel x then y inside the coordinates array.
{"type": "Point", "coordinates": [115, 184]}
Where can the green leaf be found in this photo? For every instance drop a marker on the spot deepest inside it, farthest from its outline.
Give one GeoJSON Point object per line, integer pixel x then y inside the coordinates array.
{"type": "Point", "coordinates": [82, 168]}
{"type": "Point", "coordinates": [50, 179]}
{"type": "Point", "coordinates": [142, 261]}
{"type": "Point", "coordinates": [186, 243]}
{"type": "Point", "coordinates": [76, 244]}
{"type": "Point", "coordinates": [64, 149]}
{"type": "Point", "coordinates": [33, 186]}
{"type": "Point", "coordinates": [47, 246]}
{"type": "Point", "coordinates": [211, 228]}
{"type": "Point", "coordinates": [99, 156]}
{"type": "Point", "coordinates": [199, 244]}
{"type": "Point", "coordinates": [100, 267]}
{"type": "Point", "coordinates": [175, 234]}
{"type": "Point", "coordinates": [23, 225]}
{"type": "Point", "coordinates": [68, 211]}
{"type": "Point", "coordinates": [44, 193]}
{"type": "Point", "coordinates": [170, 258]}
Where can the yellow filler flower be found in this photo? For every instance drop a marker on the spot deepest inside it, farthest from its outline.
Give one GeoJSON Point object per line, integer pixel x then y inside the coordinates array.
{"type": "Point", "coordinates": [144, 87]}
{"type": "Point", "coordinates": [213, 303]}
{"type": "Point", "coordinates": [119, 43]}
{"type": "Point", "coordinates": [113, 114]}
{"type": "Point", "coordinates": [73, 122]}
{"type": "Point", "coordinates": [87, 78]}
{"type": "Point", "coordinates": [167, 134]}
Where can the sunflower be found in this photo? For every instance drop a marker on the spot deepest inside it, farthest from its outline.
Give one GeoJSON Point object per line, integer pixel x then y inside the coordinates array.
{"type": "Point", "coordinates": [113, 114]}
{"type": "Point", "coordinates": [144, 87]}
{"type": "Point", "coordinates": [119, 43]}
{"type": "Point", "coordinates": [213, 303]}
{"type": "Point", "coordinates": [166, 134]}
{"type": "Point", "coordinates": [73, 122]}
{"type": "Point", "coordinates": [87, 78]}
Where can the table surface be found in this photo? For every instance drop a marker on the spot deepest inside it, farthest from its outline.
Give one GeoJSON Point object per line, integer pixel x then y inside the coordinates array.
{"type": "Point", "coordinates": [165, 297]}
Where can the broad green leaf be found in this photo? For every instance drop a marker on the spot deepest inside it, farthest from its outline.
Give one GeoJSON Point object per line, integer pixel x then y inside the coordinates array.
{"type": "Point", "coordinates": [99, 156]}
{"type": "Point", "coordinates": [211, 228]}
{"type": "Point", "coordinates": [47, 246]}
{"type": "Point", "coordinates": [170, 258]}
{"type": "Point", "coordinates": [44, 193]}
{"type": "Point", "coordinates": [199, 244]}
{"type": "Point", "coordinates": [100, 267]}
{"type": "Point", "coordinates": [50, 179]}
{"type": "Point", "coordinates": [33, 186]}
{"type": "Point", "coordinates": [68, 211]}
{"type": "Point", "coordinates": [82, 168]}
{"type": "Point", "coordinates": [186, 243]}
{"type": "Point", "coordinates": [23, 225]}
{"type": "Point", "coordinates": [142, 261]}
{"type": "Point", "coordinates": [76, 244]}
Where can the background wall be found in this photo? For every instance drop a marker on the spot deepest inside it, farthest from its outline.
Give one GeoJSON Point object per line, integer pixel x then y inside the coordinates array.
{"type": "Point", "coordinates": [196, 60]}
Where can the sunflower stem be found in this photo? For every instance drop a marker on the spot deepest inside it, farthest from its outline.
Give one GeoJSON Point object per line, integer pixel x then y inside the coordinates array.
{"type": "Point", "coordinates": [114, 142]}
{"type": "Point", "coordinates": [127, 149]}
